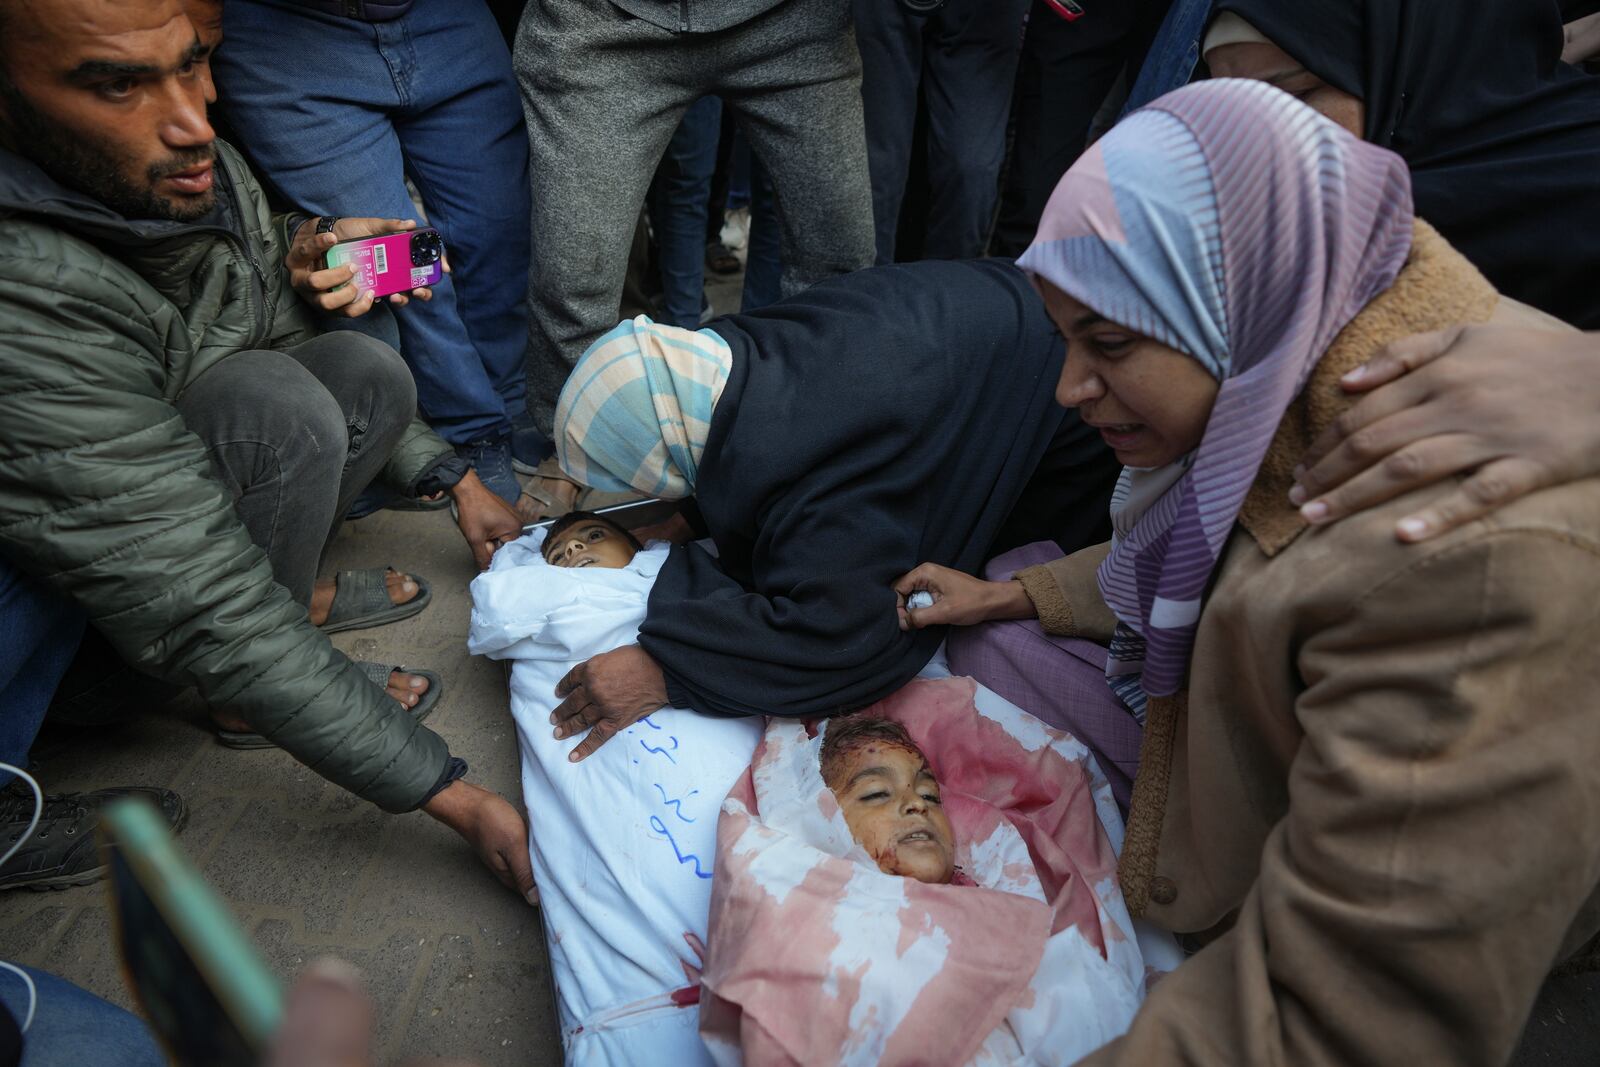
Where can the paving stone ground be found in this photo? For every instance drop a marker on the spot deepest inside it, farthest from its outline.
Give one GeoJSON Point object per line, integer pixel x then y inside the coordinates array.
{"type": "Point", "coordinates": [456, 963]}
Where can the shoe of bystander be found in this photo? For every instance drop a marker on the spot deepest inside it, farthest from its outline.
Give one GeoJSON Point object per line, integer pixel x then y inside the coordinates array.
{"type": "Point", "coordinates": [490, 457]}
{"type": "Point", "coordinates": [61, 851]}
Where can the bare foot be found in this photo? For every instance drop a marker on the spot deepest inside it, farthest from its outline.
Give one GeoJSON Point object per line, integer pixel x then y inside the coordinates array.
{"type": "Point", "coordinates": [401, 589]}
{"type": "Point", "coordinates": [563, 493]}
{"type": "Point", "coordinates": [406, 689]}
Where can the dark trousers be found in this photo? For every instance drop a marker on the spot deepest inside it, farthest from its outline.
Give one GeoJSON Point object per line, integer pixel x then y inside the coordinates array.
{"type": "Point", "coordinates": [294, 436]}
{"type": "Point", "coordinates": [1067, 71]}
{"type": "Point", "coordinates": [680, 200]}
{"type": "Point", "coordinates": [963, 59]}
{"type": "Point", "coordinates": [751, 185]}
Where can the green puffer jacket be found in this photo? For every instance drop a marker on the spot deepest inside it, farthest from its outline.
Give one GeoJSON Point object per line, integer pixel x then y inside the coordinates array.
{"type": "Point", "coordinates": [108, 498]}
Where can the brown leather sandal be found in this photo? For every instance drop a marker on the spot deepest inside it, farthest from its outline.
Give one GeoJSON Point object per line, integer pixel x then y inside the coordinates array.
{"type": "Point", "coordinates": [538, 503]}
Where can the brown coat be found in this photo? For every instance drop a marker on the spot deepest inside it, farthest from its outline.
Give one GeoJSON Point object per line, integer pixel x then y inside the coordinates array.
{"type": "Point", "coordinates": [1380, 794]}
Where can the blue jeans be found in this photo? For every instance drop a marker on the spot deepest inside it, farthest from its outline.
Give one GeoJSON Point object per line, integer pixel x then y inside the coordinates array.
{"type": "Point", "coordinates": [1173, 55]}
{"type": "Point", "coordinates": [763, 261]}
{"type": "Point", "coordinates": [74, 1028]}
{"type": "Point", "coordinates": [679, 199]}
{"type": "Point", "coordinates": [336, 113]}
{"type": "Point", "coordinates": [40, 631]}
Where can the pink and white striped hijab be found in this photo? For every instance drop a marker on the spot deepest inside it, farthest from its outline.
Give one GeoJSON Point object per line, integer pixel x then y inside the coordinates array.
{"type": "Point", "coordinates": [1235, 224]}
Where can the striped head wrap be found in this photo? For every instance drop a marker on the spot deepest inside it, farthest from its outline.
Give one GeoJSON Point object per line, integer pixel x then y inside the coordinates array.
{"type": "Point", "coordinates": [1231, 222]}
{"type": "Point", "coordinates": [636, 410]}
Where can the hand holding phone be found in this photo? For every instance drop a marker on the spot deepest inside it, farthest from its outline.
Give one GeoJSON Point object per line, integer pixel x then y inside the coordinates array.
{"type": "Point", "coordinates": [337, 287]}
{"type": "Point", "coordinates": [199, 979]}
{"type": "Point", "coordinates": [393, 264]}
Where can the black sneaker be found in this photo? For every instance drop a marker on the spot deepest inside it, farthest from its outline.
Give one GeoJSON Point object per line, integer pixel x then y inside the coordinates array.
{"type": "Point", "coordinates": [491, 459]}
{"type": "Point", "coordinates": [62, 851]}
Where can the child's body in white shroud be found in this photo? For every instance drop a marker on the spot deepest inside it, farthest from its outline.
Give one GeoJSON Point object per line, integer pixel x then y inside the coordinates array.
{"type": "Point", "coordinates": [623, 842]}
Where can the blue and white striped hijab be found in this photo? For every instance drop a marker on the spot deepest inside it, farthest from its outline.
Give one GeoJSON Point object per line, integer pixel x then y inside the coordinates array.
{"type": "Point", "coordinates": [636, 411]}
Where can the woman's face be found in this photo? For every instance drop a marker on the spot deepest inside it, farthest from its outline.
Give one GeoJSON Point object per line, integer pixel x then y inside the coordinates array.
{"type": "Point", "coordinates": [1262, 62]}
{"type": "Point", "coordinates": [1150, 402]}
{"type": "Point", "coordinates": [890, 800]}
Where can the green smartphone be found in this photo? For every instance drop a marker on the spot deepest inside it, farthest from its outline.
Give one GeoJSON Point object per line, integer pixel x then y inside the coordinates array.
{"type": "Point", "coordinates": [202, 984]}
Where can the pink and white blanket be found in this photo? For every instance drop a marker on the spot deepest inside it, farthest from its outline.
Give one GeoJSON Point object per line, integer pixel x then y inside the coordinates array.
{"type": "Point", "coordinates": [815, 956]}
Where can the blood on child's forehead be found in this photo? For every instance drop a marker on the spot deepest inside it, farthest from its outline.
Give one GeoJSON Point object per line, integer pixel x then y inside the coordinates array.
{"type": "Point", "coordinates": [853, 752]}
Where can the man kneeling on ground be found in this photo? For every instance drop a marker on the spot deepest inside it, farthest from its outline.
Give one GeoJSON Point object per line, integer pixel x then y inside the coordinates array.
{"type": "Point", "coordinates": [177, 442]}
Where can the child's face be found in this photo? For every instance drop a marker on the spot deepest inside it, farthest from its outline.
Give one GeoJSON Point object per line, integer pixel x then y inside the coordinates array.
{"type": "Point", "coordinates": [589, 544]}
{"type": "Point", "coordinates": [890, 800]}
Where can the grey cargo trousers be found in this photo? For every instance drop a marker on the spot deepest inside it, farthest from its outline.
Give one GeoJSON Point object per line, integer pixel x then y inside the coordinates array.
{"type": "Point", "coordinates": [603, 92]}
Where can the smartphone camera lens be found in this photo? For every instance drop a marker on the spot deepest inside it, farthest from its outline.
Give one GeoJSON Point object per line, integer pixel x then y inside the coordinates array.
{"type": "Point", "coordinates": [426, 249]}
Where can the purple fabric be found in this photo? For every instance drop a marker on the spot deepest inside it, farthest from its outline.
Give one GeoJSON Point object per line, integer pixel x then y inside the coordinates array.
{"type": "Point", "coordinates": [1059, 680]}
{"type": "Point", "coordinates": [1231, 222]}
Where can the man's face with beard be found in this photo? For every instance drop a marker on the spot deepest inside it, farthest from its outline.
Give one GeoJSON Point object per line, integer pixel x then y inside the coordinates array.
{"type": "Point", "coordinates": [108, 98]}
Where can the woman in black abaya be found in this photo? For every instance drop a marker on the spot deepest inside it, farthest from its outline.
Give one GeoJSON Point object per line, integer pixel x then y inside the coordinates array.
{"type": "Point", "coordinates": [1503, 139]}
{"type": "Point", "coordinates": [832, 442]}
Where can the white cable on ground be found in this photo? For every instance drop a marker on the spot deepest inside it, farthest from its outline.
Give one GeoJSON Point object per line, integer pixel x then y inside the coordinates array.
{"type": "Point", "coordinates": [38, 810]}
{"type": "Point", "coordinates": [33, 993]}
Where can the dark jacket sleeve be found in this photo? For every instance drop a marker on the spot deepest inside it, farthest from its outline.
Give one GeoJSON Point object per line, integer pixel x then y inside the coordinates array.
{"type": "Point", "coordinates": [108, 498]}
{"type": "Point", "coordinates": [817, 635]}
{"type": "Point", "coordinates": [419, 451]}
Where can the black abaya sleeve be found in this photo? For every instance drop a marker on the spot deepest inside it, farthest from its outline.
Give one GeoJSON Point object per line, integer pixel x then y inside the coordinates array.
{"type": "Point", "coordinates": [820, 636]}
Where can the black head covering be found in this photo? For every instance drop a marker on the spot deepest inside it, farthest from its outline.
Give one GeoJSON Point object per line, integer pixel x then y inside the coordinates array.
{"type": "Point", "coordinates": [1503, 139]}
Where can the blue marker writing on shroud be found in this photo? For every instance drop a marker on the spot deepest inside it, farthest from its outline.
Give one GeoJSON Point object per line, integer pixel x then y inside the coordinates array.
{"type": "Point", "coordinates": [647, 722]}
{"type": "Point", "coordinates": [675, 805]}
{"type": "Point", "coordinates": [661, 828]}
{"type": "Point", "coordinates": [658, 751]}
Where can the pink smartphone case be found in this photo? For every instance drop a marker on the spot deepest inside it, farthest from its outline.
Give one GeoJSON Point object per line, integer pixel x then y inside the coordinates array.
{"type": "Point", "coordinates": [383, 264]}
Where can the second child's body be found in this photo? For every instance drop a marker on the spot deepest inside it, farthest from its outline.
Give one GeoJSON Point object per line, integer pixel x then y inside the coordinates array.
{"type": "Point", "coordinates": [890, 797]}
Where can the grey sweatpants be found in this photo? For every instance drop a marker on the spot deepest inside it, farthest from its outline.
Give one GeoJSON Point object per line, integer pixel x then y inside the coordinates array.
{"type": "Point", "coordinates": [604, 91]}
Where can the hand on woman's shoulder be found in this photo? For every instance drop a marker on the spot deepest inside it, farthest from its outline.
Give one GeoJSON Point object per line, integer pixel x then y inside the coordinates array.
{"type": "Point", "coordinates": [1510, 407]}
